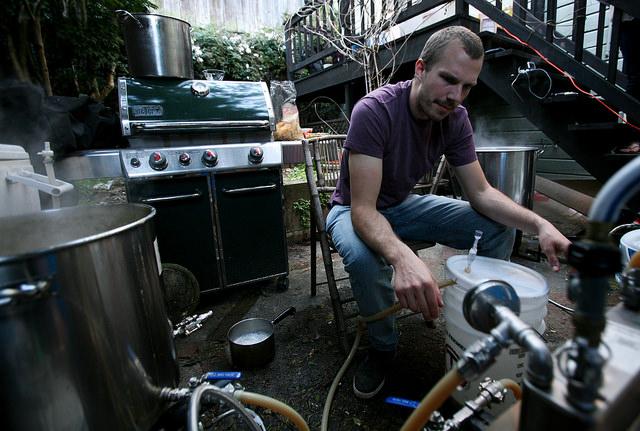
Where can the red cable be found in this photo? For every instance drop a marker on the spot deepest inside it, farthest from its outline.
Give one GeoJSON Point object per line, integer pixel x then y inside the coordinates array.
{"type": "Point", "coordinates": [571, 79]}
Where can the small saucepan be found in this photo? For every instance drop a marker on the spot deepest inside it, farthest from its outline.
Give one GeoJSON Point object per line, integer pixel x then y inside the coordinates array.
{"type": "Point", "coordinates": [251, 341]}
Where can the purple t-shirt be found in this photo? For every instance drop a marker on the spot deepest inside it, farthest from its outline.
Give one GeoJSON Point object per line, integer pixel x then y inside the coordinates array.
{"type": "Point", "coordinates": [382, 126]}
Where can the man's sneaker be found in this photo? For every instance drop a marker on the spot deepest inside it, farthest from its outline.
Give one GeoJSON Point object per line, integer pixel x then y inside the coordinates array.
{"type": "Point", "coordinates": [371, 372]}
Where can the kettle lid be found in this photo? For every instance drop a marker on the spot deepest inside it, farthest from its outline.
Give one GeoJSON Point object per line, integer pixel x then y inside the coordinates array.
{"type": "Point", "coordinates": [12, 152]}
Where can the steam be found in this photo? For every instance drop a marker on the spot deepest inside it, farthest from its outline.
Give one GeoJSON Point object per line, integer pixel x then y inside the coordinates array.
{"type": "Point", "coordinates": [22, 118]}
{"type": "Point", "coordinates": [488, 136]}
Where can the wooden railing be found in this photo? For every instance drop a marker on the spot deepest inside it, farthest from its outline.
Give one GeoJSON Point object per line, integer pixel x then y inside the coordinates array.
{"type": "Point", "coordinates": [307, 48]}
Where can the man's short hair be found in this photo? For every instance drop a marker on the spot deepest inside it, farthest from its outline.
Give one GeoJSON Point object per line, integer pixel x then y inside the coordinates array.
{"type": "Point", "coordinates": [437, 42]}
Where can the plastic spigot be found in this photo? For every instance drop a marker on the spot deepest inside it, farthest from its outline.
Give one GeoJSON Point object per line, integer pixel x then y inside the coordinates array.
{"type": "Point", "coordinates": [473, 251]}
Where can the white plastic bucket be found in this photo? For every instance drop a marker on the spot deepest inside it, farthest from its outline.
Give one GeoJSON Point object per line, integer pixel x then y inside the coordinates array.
{"type": "Point", "coordinates": [16, 198]}
{"type": "Point", "coordinates": [533, 291]}
{"type": "Point", "coordinates": [629, 245]}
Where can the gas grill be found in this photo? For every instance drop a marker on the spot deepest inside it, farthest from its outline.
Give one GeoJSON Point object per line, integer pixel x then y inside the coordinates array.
{"type": "Point", "coordinates": [202, 153]}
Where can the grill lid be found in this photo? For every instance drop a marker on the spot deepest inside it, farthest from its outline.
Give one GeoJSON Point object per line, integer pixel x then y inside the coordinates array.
{"type": "Point", "coordinates": [153, 106]}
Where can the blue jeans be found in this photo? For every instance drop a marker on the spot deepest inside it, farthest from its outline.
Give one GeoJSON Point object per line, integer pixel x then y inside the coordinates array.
{"type": "Point", "coordinates": [440, 219]}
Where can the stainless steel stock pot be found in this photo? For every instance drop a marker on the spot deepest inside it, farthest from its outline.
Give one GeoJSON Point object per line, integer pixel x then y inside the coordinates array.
{"type": "Point", "coordinates": [86, 343]}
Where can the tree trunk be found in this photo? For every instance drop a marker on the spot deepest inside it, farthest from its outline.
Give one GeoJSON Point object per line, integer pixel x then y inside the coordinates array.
{"type": "Point", "coordinates": [110, 85]}
{"type": "Point", "coordinates": [46, 82]}
{"type": "Point", "coordinates": [19, 68]}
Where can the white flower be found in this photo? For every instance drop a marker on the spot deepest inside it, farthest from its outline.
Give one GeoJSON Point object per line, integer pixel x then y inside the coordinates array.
{"type": "Point", "coordinates": [256, 55]}
{"type": "Point", "coordinates": [247, 50]}
{"type": "Point", "coordinates": [246, 66]}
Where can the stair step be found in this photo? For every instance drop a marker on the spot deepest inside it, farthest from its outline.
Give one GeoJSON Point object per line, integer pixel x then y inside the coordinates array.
{"type": "Point", "coordinates": [494, 53]}
{"type": "Point", "coordinates": [621, 156]}
{"type": "Point", "coordinates": [595, 126]}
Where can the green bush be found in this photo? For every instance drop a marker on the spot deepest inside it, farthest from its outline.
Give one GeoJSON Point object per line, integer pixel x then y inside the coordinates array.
{"type": "Point", "coordinates": [242, 56]}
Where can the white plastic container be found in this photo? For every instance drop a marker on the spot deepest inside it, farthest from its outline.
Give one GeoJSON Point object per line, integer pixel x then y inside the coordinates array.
{"type": "Point", "coordinates": [16, 198]}
{"type": "Point", "coordinates": [533, 291]}
{"type": "Point", "coordinates": [629, 245]}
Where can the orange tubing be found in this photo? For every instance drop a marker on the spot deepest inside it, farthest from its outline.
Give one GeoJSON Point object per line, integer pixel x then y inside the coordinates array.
{"type": "Point", "coordinates": [634, 262]}
{"type": "Point", "coordinates": [434, 399]}
{"type": "Point", "coordinates": [274, 405]}
{"type": "Point", "coordinates": [513, 387]}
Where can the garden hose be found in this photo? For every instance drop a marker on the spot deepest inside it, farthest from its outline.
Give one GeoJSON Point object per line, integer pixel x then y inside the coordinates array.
{"type": "Point", "coordinates": [362, 324]}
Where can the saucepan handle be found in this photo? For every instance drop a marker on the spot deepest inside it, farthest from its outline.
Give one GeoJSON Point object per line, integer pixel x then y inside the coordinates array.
{"type": "Point", "coordinates": [288, 312]}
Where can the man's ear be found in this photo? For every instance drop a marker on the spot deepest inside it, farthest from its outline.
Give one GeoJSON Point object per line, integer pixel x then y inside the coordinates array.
{"type": "Point", "coordinates": [419, 68]}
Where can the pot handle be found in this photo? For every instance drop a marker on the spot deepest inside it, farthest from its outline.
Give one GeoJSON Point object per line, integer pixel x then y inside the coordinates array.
{"type": "Point", "coordinates": [123, 14]}
{"type": "Point", "coordinates": [24, 290]}
{"type": "Point", "coordinates": [288, 312]}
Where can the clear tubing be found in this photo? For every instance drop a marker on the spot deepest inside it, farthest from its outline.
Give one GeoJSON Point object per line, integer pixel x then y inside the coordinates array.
{"type": "Point", "coordinates": [194, 406]}
{"type": "Point", "coordinates": [615, 193]}
{"type": "Point", "coordinates": [513, 387]}
{"type": "Point", "coordinates": [434, 399]}
{"type": "Point", "coordinates": [361, 326]}
{"type": "Point", "coordinates": [336, 380]}
{"type": "Point", "coordinates": [274, 405]}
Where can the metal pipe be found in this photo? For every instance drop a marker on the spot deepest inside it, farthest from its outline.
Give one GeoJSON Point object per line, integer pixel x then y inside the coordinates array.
{"type": "Point", "coordinates": [615, 193]}
{"type": "Point", "coordinates": [539, 360]}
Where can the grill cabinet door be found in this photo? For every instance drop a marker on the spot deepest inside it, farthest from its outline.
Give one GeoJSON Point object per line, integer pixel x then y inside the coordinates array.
{"type": "Point", "coordinates": [252, 233]}
{"type": "Point", "coordinates": [184, 223]}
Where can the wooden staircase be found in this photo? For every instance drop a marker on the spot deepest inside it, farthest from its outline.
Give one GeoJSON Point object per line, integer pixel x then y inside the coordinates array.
{"type": "Point", "coordinates": [575, 121]}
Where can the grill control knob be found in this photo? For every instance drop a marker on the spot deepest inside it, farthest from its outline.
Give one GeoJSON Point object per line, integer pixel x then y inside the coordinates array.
{"type": "Point", "coordinates": [200, 88]}
{"type": "Point", "coordinates": [256, 154]}
{"type": "Point", "coordinates": [157, 161]}
{"type": "Point", "coordinates": [210, 158]}
{"type": "Point", "coordinates": [135, 162]}
{"type": "Point", "coordinates": [184, 159]}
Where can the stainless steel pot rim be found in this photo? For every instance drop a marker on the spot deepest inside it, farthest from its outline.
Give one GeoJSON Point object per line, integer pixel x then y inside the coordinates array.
{"type": "Point", "coordinates": [75, 242]}
{"type": "Point", "coordinates": [505, 148]}
{"type": "Point", "coordinates": [140, 14]}
{"type": "Point", "coordinates": [245, 322]}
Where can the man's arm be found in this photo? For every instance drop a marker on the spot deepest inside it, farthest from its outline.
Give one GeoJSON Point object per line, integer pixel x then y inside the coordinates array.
{"type": "Point", "coordinates": [495, 205]}
{"type": "Point", "coordinates": [415, 286]}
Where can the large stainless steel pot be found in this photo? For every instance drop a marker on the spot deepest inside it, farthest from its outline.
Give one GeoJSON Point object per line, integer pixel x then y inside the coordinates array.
{"type": "Point", "coordinates": [157, 45]}
{"type": "Point", "coordinates": [86, 343]}
{"type": "Point", "coordinates": [511, 169]}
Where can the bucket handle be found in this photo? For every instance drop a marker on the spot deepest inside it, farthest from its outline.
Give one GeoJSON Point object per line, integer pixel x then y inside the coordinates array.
{"type": "Point", "coordinates": [123, 14]}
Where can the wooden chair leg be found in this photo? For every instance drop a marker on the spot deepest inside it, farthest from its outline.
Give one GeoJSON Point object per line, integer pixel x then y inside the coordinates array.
{"type": "Point", "coordinates": [312, 244]}
{"type": "Point", "coordinates": [336, 304]}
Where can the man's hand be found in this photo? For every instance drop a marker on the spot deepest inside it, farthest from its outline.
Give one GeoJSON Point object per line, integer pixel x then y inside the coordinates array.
{"type": "Point", "coordinates": [415, 286]}
{"type": "Point", "coordinates": [552, 243]}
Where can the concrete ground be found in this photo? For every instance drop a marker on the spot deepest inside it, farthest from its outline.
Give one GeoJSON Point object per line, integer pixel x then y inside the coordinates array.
{"type": "Point", "coordinates": [307, 353]}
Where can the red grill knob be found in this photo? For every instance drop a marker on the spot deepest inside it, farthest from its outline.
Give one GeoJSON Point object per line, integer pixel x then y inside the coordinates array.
{"type": "Point", "coordinates": [184, 159]}
{"type": "Point", "coordinates": [210, 158]}
{"type": "Point", "coordinates": [157, 161]}
{"type": "Point", "coordinates": [256, 154]}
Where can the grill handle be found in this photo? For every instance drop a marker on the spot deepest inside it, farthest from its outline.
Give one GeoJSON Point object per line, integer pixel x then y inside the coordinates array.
{"type": "Point", "coordinates": [245, 190]}
{"type": "Point", "coordinates": [172, 198]}
{"type": "Point", "coordinates": [144, 126]}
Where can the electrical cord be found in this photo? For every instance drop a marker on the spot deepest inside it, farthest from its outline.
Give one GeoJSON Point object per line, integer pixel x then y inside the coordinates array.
{"type": "Point", "coordinates": [562, 307]}
{"type": "Point", "coordinates": [570, 78]}
{"type": "Point", "coordinates": [527, 72]}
